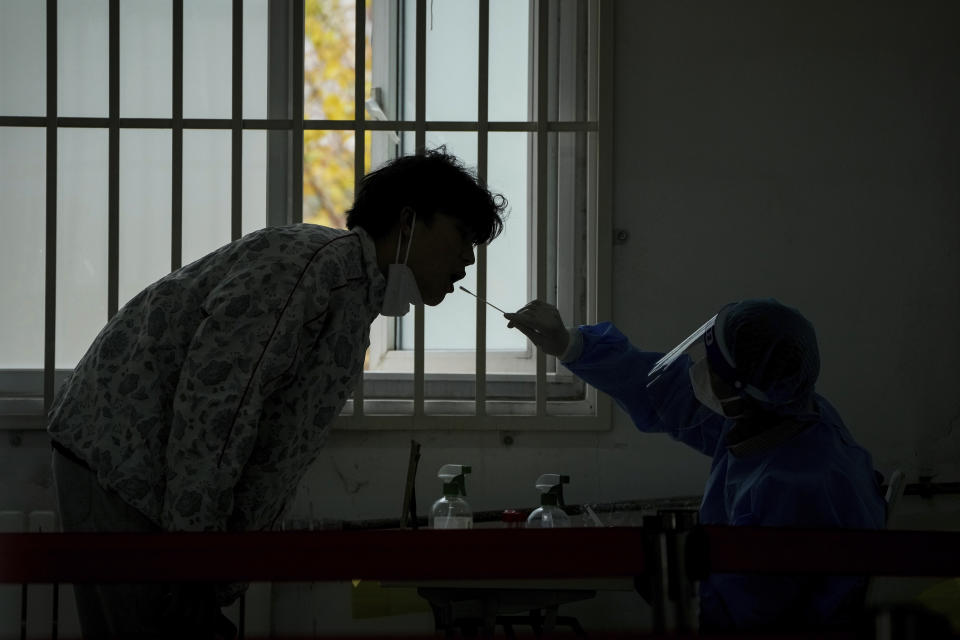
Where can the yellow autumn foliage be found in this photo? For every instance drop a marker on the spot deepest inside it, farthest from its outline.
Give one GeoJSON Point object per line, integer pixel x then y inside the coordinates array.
{"type": "Point", "coordinates": [329, 84]}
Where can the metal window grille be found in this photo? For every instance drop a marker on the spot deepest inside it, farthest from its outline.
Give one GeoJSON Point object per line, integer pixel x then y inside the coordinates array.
{"type": "Point", "coordinates": [285, 126]}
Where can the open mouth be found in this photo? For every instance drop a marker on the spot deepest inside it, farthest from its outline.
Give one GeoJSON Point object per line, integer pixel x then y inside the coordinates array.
{"type": "Point", "coordinates": [454, 278]}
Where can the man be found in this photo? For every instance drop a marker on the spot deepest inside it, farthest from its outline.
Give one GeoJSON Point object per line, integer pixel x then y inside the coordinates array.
{"type": "Point", "coordinates": [741, 390]}
{"type": "Point", "coordinates": [202, 403]}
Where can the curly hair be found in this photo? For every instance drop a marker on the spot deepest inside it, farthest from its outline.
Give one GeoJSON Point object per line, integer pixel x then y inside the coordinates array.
{"type": "Point", "coordinates": [430, 182]}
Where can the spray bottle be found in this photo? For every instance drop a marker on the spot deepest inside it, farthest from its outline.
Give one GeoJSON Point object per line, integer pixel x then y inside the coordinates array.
{"type": "Point", "coordinates": [452, 511]}
{"type": "Point", "coordinates": [550, 514]}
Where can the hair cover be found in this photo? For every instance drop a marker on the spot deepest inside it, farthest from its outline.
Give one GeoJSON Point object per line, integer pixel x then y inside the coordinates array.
{"type": "Point", "coordinates": [774, 349]}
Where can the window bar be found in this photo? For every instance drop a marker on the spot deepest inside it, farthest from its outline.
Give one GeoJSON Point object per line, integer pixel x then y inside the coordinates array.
{"type": "Point", "coordinates": [50, 276]}
{"type": "Point", "coordinates": [601, 177]}
{"type": "Point", "coordinates": [421, 80]}
{"type": "Point", "coordinates": [420, 144]}
{"type": "Point", "coordinates": [113, 198]}
{"type": "Point", "coordinates": [279, 109]}
{"type": "Point", "coordinates": [176, 137]}
{"type": "Point", "coordinates": [296, 91]}
{"type": "Point", "coordinates": [236, 129]}
{"type": "Point", "coordinates": [359, 133]}
{"type": "Point", "coordinates": [374, 125]}
{"type": "Point", "coordinates": [482, 151]}
{"type": "Point", "coordinates": [541, 200]}
{"type": "Point", "coordinates": [595, 23]}
{"type": "Point", "coordinates": [23, 121]}
{"type": "Point", "coordinates": [604, 172]}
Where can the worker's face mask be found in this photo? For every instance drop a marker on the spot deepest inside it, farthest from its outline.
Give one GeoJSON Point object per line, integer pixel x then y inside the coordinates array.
{"type": "Point", "coordinates": [703, 390]}
{"type": "Point", "coordinates": [402, 289]}
{"type": "Point", "coordinates": [698, 347]}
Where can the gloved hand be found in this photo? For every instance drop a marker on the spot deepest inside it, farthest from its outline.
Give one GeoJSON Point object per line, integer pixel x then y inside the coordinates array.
{"type": "Point", "coordinates": [541, 322]}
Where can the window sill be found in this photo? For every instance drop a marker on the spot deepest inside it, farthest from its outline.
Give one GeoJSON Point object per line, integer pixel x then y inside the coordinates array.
{"type": "Point", "coordinates": [588, 414]}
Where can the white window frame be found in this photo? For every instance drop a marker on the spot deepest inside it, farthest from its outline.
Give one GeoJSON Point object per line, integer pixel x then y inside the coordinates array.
{"type": "Point", "coordinates": [547, 397]}
{"type": "Point", "coordinates": [421, 389]}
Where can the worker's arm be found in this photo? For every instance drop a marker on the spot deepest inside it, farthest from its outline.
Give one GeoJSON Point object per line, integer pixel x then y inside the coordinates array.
{"type": "Point", "coordinates": [609, 362]}
{"type": "Point", "coordinates": [602, 356]}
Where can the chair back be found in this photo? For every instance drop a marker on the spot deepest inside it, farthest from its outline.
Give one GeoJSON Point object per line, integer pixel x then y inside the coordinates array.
{"type": "Point", "coordinates": [898, 480]}
{"type": "Point", "coordinates": [878, 589]}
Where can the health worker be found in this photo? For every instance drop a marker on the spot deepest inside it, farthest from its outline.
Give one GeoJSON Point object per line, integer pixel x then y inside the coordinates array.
{"type": "Point", "coordinates": [740, 389]}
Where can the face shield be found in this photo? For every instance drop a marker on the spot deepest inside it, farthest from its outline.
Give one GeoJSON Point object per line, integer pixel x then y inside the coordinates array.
{"type": "Point", "coordinates": [757, 349]}
{"type": "Point", "coordinates": [706, 353]}
{"type": "Point", "coordinates": [692, 346]}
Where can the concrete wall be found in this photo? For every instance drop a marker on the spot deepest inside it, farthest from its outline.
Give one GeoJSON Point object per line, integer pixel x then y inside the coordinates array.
{"type": "Point", "coordinates": [805, 151]}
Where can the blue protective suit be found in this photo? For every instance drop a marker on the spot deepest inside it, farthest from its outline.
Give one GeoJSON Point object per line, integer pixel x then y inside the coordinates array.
{"type": "Point", "coordinates": [817, 478]}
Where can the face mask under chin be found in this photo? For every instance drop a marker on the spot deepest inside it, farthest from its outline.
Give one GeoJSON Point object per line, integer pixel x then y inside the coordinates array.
{"type": "Point", "coordinates": [401, 290]}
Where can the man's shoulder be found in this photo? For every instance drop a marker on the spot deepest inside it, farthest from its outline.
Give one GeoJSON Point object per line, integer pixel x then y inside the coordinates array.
{"type": "Point", "coordinates": [297, 246]}
{"type": "Point", "coordinates": [333, 257]}
{"type": "Point", "coordinates": [293, 238]}
{"type": "Point", "coordinates": [307, 256]}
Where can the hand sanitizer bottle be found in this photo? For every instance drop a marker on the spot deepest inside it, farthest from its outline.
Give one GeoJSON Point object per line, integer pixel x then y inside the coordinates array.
{"type": "Point", "coordinates": [452, 511]}
{"type": "Point", "coordinates": [550, 514]}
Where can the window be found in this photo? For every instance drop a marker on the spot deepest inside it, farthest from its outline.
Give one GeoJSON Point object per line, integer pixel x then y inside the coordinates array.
{"type": "Point", "coordinates": [138, 136]}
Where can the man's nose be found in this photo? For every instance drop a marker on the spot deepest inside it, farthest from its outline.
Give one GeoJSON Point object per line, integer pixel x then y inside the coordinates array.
{"type": "Point", "coordinates": [468, 256]}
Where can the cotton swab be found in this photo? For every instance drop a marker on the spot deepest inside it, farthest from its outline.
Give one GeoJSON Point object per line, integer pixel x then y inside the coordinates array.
{"type": "Point", "coordinates": [482, 300]}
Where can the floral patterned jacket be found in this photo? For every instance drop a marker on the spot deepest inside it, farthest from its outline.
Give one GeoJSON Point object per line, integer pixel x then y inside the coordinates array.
{"type": "Point", "coordinates": [205, 399]}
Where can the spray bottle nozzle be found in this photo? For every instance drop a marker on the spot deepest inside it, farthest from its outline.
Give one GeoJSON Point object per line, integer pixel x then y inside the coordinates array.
{"type": "Point", "coordinates": [550, 486]}
{"type": "Point", "coordinates": [454, 483]}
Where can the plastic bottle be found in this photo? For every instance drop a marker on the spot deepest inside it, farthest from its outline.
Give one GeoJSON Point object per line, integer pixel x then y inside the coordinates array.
{"type": "Point", "coordinates": [550, 514]}
{"type": "Point", "coordinates": [452, 511]}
